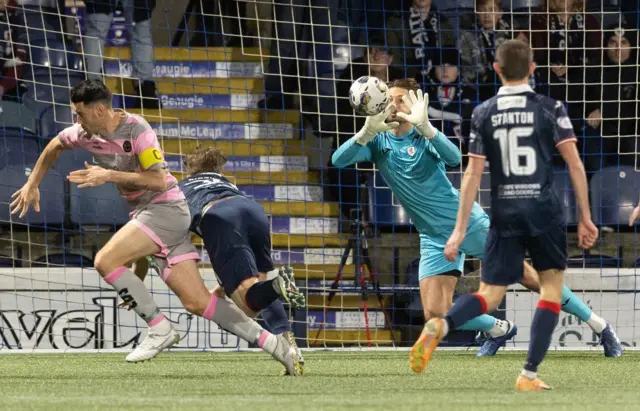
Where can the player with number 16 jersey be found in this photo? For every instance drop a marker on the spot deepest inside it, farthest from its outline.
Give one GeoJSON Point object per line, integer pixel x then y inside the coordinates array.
{"type": "Point", "coordinates": [518, 132]}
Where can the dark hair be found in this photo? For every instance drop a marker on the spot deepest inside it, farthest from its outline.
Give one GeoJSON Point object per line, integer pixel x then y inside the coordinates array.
{"type": "Point", "coordinates": [449, 56]}
{"type": "Point", "coordinates": [405, 83]}
{"type": "Point", "coordinates": [378, 43]}
{"type": "Point", "coordinates": [205, 159]}
{"type": "Point", "coordinates": [496, 3]}
{"type": "Point", "coordinates": [91, 91]}
{"type": "Point", "coordinates": [514, 58]}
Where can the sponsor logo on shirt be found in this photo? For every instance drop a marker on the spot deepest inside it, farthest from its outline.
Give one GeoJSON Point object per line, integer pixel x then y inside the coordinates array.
{"type": "Point", "coordinates": [565, 123]}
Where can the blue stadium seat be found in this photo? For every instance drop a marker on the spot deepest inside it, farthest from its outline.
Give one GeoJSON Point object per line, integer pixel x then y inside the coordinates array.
{"type": "Point", "coordinates": [98, 206]}
{"type": "Point", "coordinates": [614, 194]}
{"type": "Point", "coordinates": [384, 209]}
{"type": "Point", "coordinates": [52, 73]}
{"type": "Point", "coordinates": [14, 172]}
{"type": "Point", "coordinates": [14, 148]}
{"type": "Point", "coordinates": [53, 120]}
{"type": "Point", "coordinates": [18, 129]}
{"type": "Point", "coordinates": [71, 160]}
{"type": "Point", "coordinates": [8, 262]}
{"type": "Point", "coordinates": [16, 118]}
{"type": "Point", "coordinates": [63, 260]}
{"type": "Point", "coordinates": [564, 191]}
{"type": "Point", "coordinates": [588, 260]}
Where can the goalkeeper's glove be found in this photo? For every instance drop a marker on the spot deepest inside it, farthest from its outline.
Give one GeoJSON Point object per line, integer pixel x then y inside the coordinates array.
{"type": "Point", "coordinates": [418, 103]}
{"type": "Point", "coordinates": [374, 125]}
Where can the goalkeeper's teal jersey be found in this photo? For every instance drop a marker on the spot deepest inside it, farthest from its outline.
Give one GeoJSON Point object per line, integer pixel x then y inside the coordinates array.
{"type": "Point", "coordinates": [414, 169]}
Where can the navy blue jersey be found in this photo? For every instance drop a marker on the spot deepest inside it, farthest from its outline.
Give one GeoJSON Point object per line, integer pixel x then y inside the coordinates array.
{"type": "Point", "coordinates": [517, 131]}
{"type": "Point", "coordinates": [203, 188]}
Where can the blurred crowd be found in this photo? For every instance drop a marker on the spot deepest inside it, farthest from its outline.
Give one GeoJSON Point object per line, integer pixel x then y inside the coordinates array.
{"type": "Point", "coordinates": [586, 55]}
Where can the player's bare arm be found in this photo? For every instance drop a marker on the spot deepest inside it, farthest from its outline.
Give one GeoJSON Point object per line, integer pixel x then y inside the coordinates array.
{"type": "Point", "coordinates": [94, 176]}
{"type": "Point", "coordinates": [29, 194]}
{"type": "Point", "coordinates": [634, 215]}
{"type": "Point", "coordinates": [587, 231]}
{"type": "Point", "coordinates": [468, 193]}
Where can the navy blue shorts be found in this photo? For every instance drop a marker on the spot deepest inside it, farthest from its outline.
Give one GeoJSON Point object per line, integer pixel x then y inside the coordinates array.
{"type": "Point", "coordinates": [237, 236]}
{"type": "Point", "coordinates": [503, 261]}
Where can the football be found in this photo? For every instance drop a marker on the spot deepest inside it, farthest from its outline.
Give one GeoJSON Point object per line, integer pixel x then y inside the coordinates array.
{"type": "Point", "coordinates": [368, 95]}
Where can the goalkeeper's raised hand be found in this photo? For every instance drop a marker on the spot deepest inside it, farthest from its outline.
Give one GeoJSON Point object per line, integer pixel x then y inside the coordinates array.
{"type": "Point", "coordinates": [376, 124]}
{"type": "Point", "coordinates": [418, 104]}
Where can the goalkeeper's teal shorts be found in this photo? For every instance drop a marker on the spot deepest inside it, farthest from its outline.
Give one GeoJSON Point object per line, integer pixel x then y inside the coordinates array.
{"type": "Point", "coordinates": [432, 260]}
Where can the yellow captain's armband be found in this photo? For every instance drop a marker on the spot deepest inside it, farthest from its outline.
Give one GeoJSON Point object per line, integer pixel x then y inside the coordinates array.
{"type": "Point", "coordinates": [150, 157]}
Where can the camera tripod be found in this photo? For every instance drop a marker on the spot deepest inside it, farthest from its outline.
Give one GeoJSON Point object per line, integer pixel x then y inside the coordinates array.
{"type": "Point", "coordinates": [357, 243]}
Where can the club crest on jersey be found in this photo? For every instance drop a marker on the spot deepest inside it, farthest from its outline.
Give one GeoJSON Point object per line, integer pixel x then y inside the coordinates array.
{"type": "Point", "coordinates": [411, 151]}
{"type": "Point", "coordinates": [126, 146]}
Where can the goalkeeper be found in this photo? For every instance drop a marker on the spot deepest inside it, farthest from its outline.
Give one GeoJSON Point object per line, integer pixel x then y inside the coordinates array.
{"type": "Point", "coordinates": [411, 155]}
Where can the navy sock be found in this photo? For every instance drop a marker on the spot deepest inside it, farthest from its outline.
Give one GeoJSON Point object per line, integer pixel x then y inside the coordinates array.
{"type": "Point", "coordinates": [276, 318]}
{"type": "Point", "coordinates": [544, 322]}
{"type": "Point", "coordinates": [465, 308]}
{"type": "Point", "coordinates": [260, 295]}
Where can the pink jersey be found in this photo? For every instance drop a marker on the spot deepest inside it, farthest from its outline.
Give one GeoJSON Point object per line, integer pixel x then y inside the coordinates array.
{"type": "Point", "coordinates": [133, 147]}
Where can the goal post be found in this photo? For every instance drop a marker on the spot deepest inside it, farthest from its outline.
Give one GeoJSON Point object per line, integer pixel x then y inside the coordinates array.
{"type": "Point", "coordinates": [267, 82]}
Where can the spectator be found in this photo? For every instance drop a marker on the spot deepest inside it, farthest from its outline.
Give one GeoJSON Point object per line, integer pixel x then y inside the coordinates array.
{"type": "Point", "coordinates": [299, 28]}
{"type": "Point", "coordinates": [564, 40]}
{"type": "Point", "coordinates": [343, 183]}
{"type": "Point", "coordinates": [612, 101]}
{"type": "Point", "coordinates": [478, 46]}
{"type": "Point", "coordinates": [450, 101]}
{"type": "Point", "coordinates": [138, 16]}
{"type": "Point", "coordinates": [416, 37]}
{"type": "Point", "coordinates": [219, 22]}
{"type": "Point", "coordinates": [376, 62]}
{"type": "Point", "coordinates": [12, 53]}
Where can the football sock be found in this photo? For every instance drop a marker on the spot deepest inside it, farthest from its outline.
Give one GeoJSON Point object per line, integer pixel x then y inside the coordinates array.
{"type": "Point", "coordinates": [261, 294]}
{"type": "Point", "coordinates": [482, 322]}
{"type": "Point", "coordinates": [573, 305]}
{"type": "Point", "coordinates": [597, 323]}
{"type": "Point", "coordinates": [544, 322]}
{"type": "Point", "coordinates": [466, 308]}
{"type": "Point", "coordinates": [133, 291]}
{"type": "Point", "coordinates": [232, 319]}
{"type": "Point", "coordinates": [276, 317]}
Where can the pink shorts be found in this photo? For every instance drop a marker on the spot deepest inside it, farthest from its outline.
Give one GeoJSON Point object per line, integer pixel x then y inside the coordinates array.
{"type": "Point", "coordinates": [167, 224]}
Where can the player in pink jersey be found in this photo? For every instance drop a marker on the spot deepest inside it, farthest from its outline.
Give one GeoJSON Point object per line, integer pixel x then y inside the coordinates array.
{"type": "Point", "coordinates": [128, 155]}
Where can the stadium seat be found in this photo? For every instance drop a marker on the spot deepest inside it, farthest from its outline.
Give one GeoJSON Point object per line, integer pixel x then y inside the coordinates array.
{"type": "Point", "coordinates": [564, 191]}
{"type": "Point", "coordinates": [7, 262]}
{"type": "Point", "coordinates": [71, 160]}
{"type": "Point", "coordinates": [14, 117]}
{"type": "Point", "coordinates": [384, 209]}
{"type": "Point", "coordinates": [588, 260]}
{"type": "Point", "coordinates": [98, 206]}
{"type": "Point", "coordinates": [14, 172]}
{"type": "Point", "coordinates": [52, 73]}
{"type": "Point", "coordinates": [53, 120]}
{"type": "Point", "coordinates": [614, 194]}
{"type": "Point", "coordinates": [16, 148]}
{"type": "Point", "coordinates": [63, 260]}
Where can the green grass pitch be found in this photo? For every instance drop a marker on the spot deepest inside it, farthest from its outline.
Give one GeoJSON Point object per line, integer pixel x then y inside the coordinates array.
{"type": "Point", "coordinates": [332, 381]}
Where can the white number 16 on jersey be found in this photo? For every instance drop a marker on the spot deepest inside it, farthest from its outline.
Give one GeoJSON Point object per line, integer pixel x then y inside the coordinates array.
{"type": "Point", "coordinates": [511, 151]}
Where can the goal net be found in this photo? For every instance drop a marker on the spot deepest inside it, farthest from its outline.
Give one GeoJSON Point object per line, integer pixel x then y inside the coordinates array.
{"type": "Point", "coordinates": [267, 82]}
